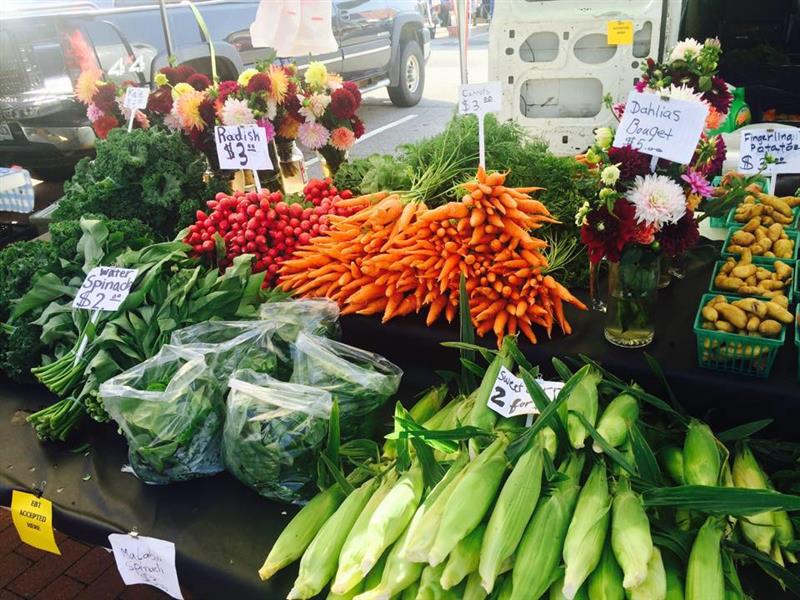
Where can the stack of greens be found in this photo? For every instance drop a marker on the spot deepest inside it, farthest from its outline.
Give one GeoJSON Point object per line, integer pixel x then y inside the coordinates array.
{"type": "Point", "coordinates": [432, 170]}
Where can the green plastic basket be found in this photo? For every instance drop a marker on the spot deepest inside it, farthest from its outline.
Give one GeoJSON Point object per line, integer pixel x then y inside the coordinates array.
{"type": "Point", "coordinates": [764, 260]}
{"type": "Point", "coordinates": [731, 352]}
{"type": "Point", "coordinates": [797, 338]}
{"type": "Point", "coordinates": [723, 221]}
{"type": "Point", "coordinates": [787, 291]}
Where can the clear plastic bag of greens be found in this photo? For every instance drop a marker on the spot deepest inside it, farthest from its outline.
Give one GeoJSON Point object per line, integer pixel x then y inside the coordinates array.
{"type": "Point", "coordinates": [171, 410]}
{"type": "Point", "coordinates": [273, 434]}
{"type": "Point", "coordinates": [358, 380]}
{"type": "Point", "coordinates": [318, 316]}
{"type": "Point", "coordinates": [231, 345]}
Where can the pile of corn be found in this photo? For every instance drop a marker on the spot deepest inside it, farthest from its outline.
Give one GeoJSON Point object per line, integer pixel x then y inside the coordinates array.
{"type": "Point", "coordinates": [525, 529]}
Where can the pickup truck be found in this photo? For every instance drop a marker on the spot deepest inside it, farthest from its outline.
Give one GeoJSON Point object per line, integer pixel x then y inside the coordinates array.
{"type": "Point", "coordinates": [382, 43]}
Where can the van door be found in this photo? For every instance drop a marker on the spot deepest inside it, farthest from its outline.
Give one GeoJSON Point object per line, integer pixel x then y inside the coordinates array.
{"type": "Point", "coordinates": [363, 28]}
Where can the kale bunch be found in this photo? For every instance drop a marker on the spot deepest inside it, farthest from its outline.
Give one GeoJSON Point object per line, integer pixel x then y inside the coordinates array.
{"type": "Point", "coordinates": [149, 174]}
{"type": "Point", "coordinates": [19, 264]}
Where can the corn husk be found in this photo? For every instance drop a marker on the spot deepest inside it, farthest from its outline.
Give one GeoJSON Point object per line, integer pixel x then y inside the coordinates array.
{"type": "Point", "coordinates": [618, 416]}
{"type": "Point", "coordinates": [474, 590]}
{"type": "Point", "coordinates": [586, 535]}
{"type": "Point", "coordinates": [630, 537]}
{"type": "Point", "coordinates": [654, 586]}
{"type": "Point", "coordinates": [759, 529]}
{"type": "Point", "coordinates": [392, 516]}
{"type": "Point", "coordinates": [705, 579]}
{"type": "Point", "coordinates": [548, 440]}
{"type": "Point", "coordinates": [536, 563]}
{"type": "Point", "coordinates": [425, 408]}
{"type": "Point", "coordinates": [605, 582]}
{"type": "Point", "coordinates": [425, 523]}
{"type": "Point", "coordinates": [471, 499]}
{"type": "Point", "coordinates": [506, 590]}
{"type": "Point", "coordinates": [672, 463]}
{"type": "Point", "coordinates": [583, 399]}
{"type": "Point", "coordinates": [701, 459]}
{"type": "Point", "coordinates": [410, 593]}
{"type": "Point", "coordinates": [675, 583]}
{"type": "Point", "coordinates": [464, 558]}
{"type": "Point", "coordinates": [319, 561]}
{"type": "Point", "coordinates": [398, 574]}
{"type": "Point", "coordinates": [300, 531]}
{"type": "Point", "coordinates": [429, 586]}
{"type": "Point", "coordinates": [349, 572]}
{"type": "Point", "coordinates": [557, 591]}
{"type": "Point", "coordinates": [511, 514]}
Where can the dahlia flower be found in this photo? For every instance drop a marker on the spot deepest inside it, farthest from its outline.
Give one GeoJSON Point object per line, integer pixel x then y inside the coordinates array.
{"type": "Point", "coordinates": [657, 200]}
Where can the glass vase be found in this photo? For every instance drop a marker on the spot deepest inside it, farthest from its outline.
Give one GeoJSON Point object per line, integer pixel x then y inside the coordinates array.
{"type": "Point", "coordinates": [292, 166]}
{"type": "Point", "coordinates": [665, 272]}
{"type": "Point", "coordinates": [597, 303]}
{"type": "Point", "coordinates": [330, 159]}
{"type": "Point", "coordinates": [632, 294]}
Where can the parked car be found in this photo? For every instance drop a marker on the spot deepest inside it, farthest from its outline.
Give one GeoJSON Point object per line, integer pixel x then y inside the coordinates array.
{"type": "Point", "coordinates": [382, 43]}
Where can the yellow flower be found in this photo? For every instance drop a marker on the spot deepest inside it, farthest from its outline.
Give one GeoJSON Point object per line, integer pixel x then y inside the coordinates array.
{"type": "Point", "coordinates": [316, 75]}
{"type": "Point", "coordinates": [86, 86]}
{"type": "Point", "coordinates": [334, 81]}
{"type": "Point", "coordinates": [187, 106]}
{"type": "Point", "coordinates": [279, 84]}
{"type": "Point", "coordinates": [181, 89]}
{"type": "Point", "coordinates": [160, 79]}
{"type": "Point", "coordinates": [244, 78]}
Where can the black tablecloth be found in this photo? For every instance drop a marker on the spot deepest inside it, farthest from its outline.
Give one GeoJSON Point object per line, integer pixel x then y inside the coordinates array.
{"type": "Point", "coordinates": [222, 530]}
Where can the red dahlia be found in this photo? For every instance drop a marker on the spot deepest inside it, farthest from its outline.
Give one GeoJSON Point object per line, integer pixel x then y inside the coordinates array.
{"type": "Point", "coordinates": [160, 101]}
{"type": "Point", "coordinates": [343, 104]}
{"type": "Point", "coordinates": [103, 125]}
{"type": "Point", "coordinates": [105, 98]}
{"type": "Point", "coordinates": [631, 162]}
{"type": "Point", "coordinates": [606, 234]}
{"type": "Point", "coordinates": [677, 238]}
{"type": "Point", "coordinates": [258, 83]}
{"type": "Point", "coordinates": [198, 81]}
{"type": "Point", "coordinates": [352, 87]}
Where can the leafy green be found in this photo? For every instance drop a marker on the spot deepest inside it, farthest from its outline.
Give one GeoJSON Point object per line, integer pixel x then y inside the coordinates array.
{"type": "Point", "coordinates": [151, 175]}
{"type": "Point", "coordinates": [19, 264]}
{"type": "Point", "coordinates": [385, 173]}
{"type": "Point", "coordinates": [127, 233]}
{"type": "Point", "coordinates": [351, 174]}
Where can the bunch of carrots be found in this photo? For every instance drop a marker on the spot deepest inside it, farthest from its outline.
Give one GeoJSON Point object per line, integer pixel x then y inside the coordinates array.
{"type": "Point", "coordinates": [395, 258]}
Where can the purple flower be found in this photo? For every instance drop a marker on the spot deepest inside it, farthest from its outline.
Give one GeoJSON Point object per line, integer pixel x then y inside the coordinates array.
{"type": "Point", "coordinates": [698, 183]}
{"type": "Point", "coordinates": [268, 127]}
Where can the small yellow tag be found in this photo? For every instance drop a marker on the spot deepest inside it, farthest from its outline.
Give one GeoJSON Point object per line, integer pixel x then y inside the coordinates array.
{"type": "Point", "coordinates": [33, 518]}
{"type": "Point", "coordinates": [620, 33]}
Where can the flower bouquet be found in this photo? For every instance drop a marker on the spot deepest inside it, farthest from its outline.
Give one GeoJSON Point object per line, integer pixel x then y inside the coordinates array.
{"type": "Point", "coordinates": [104, 103]}
{"type": "Point", "coordinates": [330, 124]}
{"type": "Point", "coordinates": [646, 208]}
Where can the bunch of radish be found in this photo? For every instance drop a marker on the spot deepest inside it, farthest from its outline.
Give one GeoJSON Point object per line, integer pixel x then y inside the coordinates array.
{"type": "Point", "coordinates": [266, 225]}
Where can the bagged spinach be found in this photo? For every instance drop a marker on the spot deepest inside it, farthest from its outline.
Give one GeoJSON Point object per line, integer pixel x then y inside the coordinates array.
{"type": "Point", "coordinates": [274, 432]}
{"type": "Point", "coordinates": [315, 315]}
{"type": "Point", "coordinates": [359, 380]}
{"type": "Point", "coordinates": [171, 410]}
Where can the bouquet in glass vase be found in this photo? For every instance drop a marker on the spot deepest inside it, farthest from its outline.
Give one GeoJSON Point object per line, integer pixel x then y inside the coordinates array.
{"type": "Point", "coordinates": [330, 123]}
{"type": "Point", "coordinates": [645, 209]}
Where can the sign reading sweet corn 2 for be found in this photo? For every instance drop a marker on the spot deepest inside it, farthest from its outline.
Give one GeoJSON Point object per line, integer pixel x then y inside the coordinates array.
{"type": "Point", "coordinates": [33, 519]}
{"type": "Point", "coordinates": [510, 397]}
{"type": "Point", "coordinates": [620, 33]}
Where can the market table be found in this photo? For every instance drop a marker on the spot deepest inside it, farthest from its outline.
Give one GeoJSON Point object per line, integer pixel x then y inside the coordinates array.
{"type": "Point", "coordinates": [223, 530]}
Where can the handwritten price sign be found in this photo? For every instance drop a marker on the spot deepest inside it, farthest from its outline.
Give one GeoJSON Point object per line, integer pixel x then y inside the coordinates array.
{"type": "Point", "coordinates": [242, 147]}
{"type": "Point", "coordinates": [104, 288]}
{"type": "Point", "coordinates": [136, 98]}
{"type": "Point", "coordinates": [146, 560]}
{"type": "Point", "coordinates": [479, 98]}
{"type": "Point", "coordinates": [661, 127]}
{"type": "Point", "coordinates": [781, 145]}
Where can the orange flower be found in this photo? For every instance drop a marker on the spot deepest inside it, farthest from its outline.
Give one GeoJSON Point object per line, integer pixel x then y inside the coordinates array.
{"type": "Point", "coordinates": [279, 84]}
{"type": "Point", "coordinates": [288, 128]}
{"type": "Point", "coordinates": [187, 106]}
{"type": "Point", "coordinates": [86, 86]}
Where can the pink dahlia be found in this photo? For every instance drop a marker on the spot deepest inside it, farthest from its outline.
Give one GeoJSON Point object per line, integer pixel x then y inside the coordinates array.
{"type": "Point", "coordinates": [313, 135]}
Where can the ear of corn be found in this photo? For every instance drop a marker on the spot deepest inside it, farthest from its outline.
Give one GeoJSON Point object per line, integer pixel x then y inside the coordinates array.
{"type": "Point", "coordinates": [548, 440]}
{"type": "Point", "coordinates": [425, 408]}
{"type": "Point", "coordinates": [373, 578]}
{"type": "Point", "coordinates": [357, 589]}
{"type": "Point", "coordinates": [300, 531]}
{"type": "Point", "coordinates": [672, 463]}
{"type": "Point", "coordinates": [704, 576]}
{"type": "Point", "coordinates": [618, 416]}
{"type": "Point", "coordinates": [583, 399]}
{"type": "Point", "coordinates": [701, 460]}
{"type": "Point", "coordinates": [605, 582]}
{"type": "Point", "coordinates": [506, 591]}
{"type": "Point", "coordinates": [410, 593]}
{"type": "Point", "coordinates": [429, 586]}
{"type": "Point", "coordinates": [349, 572]}
{"type": "Point", "coordinates": [392, 516]}
{"type": "Point", "coordinates": [654, 586]}
{"type": "Point", "coordinates": [464, 558]}
{"type": "Point", "coordinates": [674, 581]}
{"type": "Point", "coordinates": [425, 523]}
{"type": "Point", "coordinates": [481, 415]}
{"type": "Point", "coordinates": [474, 590]}
{"type": "Point", "coordinates": [586, 535]}
{"type": "Point", "coordinates": [398, 574]}
{"type": "Point", "coordinates": [630, 537]}
{"type": "Point", "coordinates": [471, 499]}
{"type": "Point", "coordinates": [557, 591]}
{"type": "Point", "coordinates": [319, 560]}
{"type": "Point", "coordinates": [511, 514]}
{"type": "Point", "coordinates": [784, 534]}
{"type": "Point", "coordinates": [759, 529]}
{"type": "Point", "coordinates": [535, 563]}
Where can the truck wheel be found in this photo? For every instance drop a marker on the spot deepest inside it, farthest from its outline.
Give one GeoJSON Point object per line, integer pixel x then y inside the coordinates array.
{"type": "Point", "coordinates": [412, 76]}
